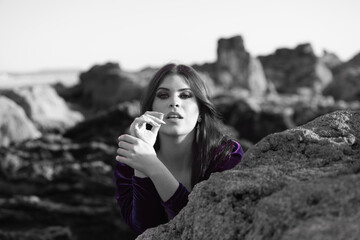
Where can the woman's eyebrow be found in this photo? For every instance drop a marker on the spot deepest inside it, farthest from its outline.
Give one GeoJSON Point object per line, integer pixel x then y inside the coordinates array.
{"type": "Point", "coordinates": [167, 89]}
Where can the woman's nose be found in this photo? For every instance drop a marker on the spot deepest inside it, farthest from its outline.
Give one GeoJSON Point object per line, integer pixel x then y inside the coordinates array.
{"type": "Point", "coordinates": [174, 104]}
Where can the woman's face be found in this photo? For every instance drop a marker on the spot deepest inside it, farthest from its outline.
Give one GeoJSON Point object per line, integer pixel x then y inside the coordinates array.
{"type": "Point", "coordinates": [177, 102]}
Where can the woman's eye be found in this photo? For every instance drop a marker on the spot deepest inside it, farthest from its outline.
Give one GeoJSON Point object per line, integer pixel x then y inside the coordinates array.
{"type": "Point", "coordinates": [186, 95]}
{"type": "Point", "coordinates": [162, 95]}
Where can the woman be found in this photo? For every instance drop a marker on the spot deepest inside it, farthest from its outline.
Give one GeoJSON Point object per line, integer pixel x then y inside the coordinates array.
{"type": "Point", "coordinates": [177, 142]}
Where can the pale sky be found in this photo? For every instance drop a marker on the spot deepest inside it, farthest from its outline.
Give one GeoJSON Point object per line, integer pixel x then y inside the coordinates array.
{"type": "Point", "coordinates": [53, 34]}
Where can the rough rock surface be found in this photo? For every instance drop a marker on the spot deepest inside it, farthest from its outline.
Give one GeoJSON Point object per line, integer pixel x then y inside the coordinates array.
{"type": "Point", "coordinates": [298, 184]}
{"type": "Point", "coordinates": [44, 107]}
{"type": "Point", "coordinates": [346, 84]}
{"type": "Point", "coordinates": [15, 126]}
{"type": "Point", "coordinates": [236, 67]}
{"type": "Point", "coordinates": [293, 69]}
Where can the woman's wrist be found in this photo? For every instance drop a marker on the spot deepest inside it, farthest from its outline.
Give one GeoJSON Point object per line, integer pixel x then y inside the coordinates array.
{"type": "Point", "coordinates": [139, 174]}
{"type": "Point", "coordinates": [156, 168]}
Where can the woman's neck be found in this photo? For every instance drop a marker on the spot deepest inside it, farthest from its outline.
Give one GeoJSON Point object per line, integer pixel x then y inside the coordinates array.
{"type": "Point", "coordinates": [176, 152]}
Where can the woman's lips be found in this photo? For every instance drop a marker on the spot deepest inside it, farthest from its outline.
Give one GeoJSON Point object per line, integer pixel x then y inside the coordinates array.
{"type": "Point", "coordinates": [173, 115]}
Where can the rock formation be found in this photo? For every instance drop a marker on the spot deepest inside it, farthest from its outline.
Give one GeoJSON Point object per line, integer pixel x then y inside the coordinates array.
{"type": "Point", "coordinates": [235, 67]}
{"type": "Point", "coordinates": [44, 107]}
{"type": "Point", "coordinates": [104, 86]}
{"type": "Point", "coordinates": [54, 188]}
{"type": "Point", "coordinates": [331, 60]}
{"type": "Point", "coordinates": [293, 69]}
{"type": "Point", "coordinates": [346, 84]}
{"type": "Point", "coordinates": [298, 184]}
{"type": "Point", "coordinates": [15, 126]}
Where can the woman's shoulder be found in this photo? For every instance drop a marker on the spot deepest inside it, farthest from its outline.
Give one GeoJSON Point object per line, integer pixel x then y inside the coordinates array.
{"type": "Point", "coordinates": [234, 157]}
{"type": "Point", "coordinates": [237, 149]}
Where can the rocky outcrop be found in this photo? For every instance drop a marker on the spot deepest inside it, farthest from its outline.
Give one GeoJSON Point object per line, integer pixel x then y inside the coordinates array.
{"type": "Point", "coordinates": [294, 69]}
{"type": "Point", "coordinates": [104, 86]}
{"type": "Point", "coordinates": [346, 84]}
{"type": "Point", "coordinates": [15, 126]}
{"type": "Point", "coordinates": [235, 67]}
{"type": "Point", "coordinates": [44, 107]}
{"type": "Point", "coordinates": [331, 60]}
{"type": "Point", "coordinates": [57, 188]}
{"type": "Point", "coordinates": [298, 184]}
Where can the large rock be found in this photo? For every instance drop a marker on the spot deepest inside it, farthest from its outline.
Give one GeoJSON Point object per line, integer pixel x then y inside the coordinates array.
{"type": "Point", "coordinates": [346, 84]}
{"type": "Point", "coordinates": [294, 69]}
{"type": "Point", "coordinates": [235, 67]}
{"type": "Point", "coordinates": [298, 184]}
{"type": "Point", "coordinates": [15, 126]}
{"type": "Point", "coordinates": [44, 107]}
{"type": "Point", "coordinates": [103, 86]}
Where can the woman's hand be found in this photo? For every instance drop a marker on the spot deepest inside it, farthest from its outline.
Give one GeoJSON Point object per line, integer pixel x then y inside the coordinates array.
{"type": "Point", "coordinates": [137, 154]}
{"type": "Point", "coordinates": [138, 126]}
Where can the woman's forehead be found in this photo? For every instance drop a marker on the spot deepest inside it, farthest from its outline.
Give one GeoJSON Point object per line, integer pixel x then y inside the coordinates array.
{"type": "Point", "coordinates": [174, 82]}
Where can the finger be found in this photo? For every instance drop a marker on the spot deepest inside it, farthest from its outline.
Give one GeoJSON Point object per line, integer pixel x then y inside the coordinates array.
{"type": "Point", "coordinates": [124, 153]}
{"type": "Point", "coordinates": [152, 121]}
{"type": "Point", "coordinates": [128, 138]}
{"type": "Point", "coordinates": [132, 132]}
{"type": "Point", "coordinates": [123, 160]}
{"type": "Point", "coordinates": [125, 145]}
{"type": "Point", "coordinates": [159, 115]}
{"type": "Point", "coordinates": [156, 116]}
{"type": "Point", "coordinates": [145, 118]}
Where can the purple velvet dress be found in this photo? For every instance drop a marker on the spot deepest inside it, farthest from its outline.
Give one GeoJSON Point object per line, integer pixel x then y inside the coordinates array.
{"type": "Point", "coordinates": [140, 204]}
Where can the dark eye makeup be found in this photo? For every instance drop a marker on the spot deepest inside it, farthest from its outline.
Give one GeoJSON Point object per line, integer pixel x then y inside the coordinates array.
{"type": "Point", "coordinates": [183, 95]}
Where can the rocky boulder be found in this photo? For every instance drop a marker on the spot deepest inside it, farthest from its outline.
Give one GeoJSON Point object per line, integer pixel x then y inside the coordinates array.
{"type": "Point", "coordinates": [294, 69]}
{"type": "Point", "coordinates": [346, 84]}
{"type": "Point", "coordinates": [15, 126]}
{"type": "Point", "coordinates": [298, 184]}
{"type": "Point", "coordinates": [235, 67]}
{"type": "Point", "coordinates": [104, 86]}
{"type": "Point", "coordinates": [44, 107]}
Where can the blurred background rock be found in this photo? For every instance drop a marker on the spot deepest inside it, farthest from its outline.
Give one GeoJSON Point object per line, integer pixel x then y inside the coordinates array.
{"type": "Point", "coordinates": [58, 142]}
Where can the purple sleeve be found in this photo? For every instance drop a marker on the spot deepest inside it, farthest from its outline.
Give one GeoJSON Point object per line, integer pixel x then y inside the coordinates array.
{"type": "Point", "coordinates": [138, 200]}
{"type": "Point", "coordinates": [235, 158]}
{"type": "Point", "coordinates": [180, 197]}
{"type": "Point", "coordinates": [177, 201]}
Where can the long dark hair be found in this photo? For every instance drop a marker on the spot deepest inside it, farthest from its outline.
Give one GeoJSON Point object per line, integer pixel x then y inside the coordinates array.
{"type": "Point", "coordinates": [213, 146]}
